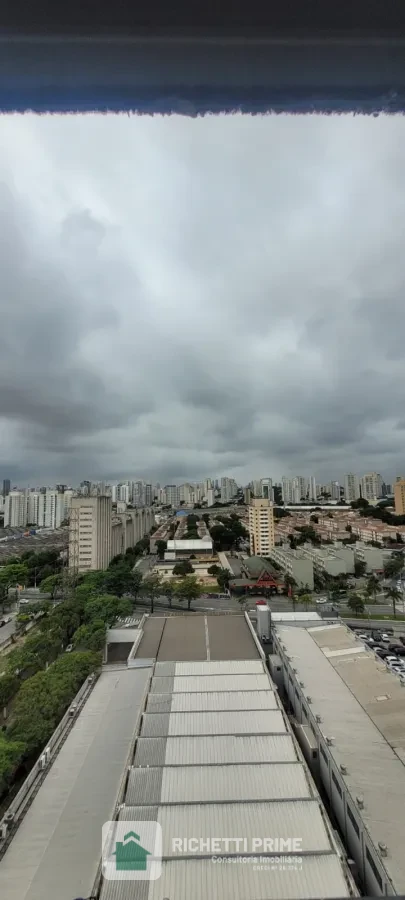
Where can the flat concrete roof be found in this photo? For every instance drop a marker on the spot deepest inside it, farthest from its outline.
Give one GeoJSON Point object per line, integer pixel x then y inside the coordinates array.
{"type": "Point", "coordinates": [55, 852]}
{"type": "Point", "coordinates": [195, 637]}
{"type": "Point", "coordinates": [362, 706]}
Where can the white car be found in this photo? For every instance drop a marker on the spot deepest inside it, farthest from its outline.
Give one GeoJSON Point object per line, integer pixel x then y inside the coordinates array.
{"type": "Point", "coordinates": [385, 637]}
{"type": "Point", "coordinates": [321, 600]}
{"type": "Point", "coordinates": [363, 637]}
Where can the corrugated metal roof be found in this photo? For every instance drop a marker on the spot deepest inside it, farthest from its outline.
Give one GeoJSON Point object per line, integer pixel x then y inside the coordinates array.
{"type": "Point", "coordinates": [288, 819]}
{"type": "Point", "coordinates": [201, 879]}
{"type": "Point", "coordinates": [345, 692]}
{"type": "Point", "coordinates": [226, 722]}
{"type": "Point", "coordinates": [217, 749]}
{"type": "Point", "coordinates": [202, 683]}
{"type": "Point", "coordinates": [56, 849]}
{"type": "Point", "coordinates": [210, 784]}
{"type": "Point", "coordinates": [196, 544]}
{"type": "Point", "coordinates": [221, 667]}
{"type": "Point", "coordinates": [231, 700]}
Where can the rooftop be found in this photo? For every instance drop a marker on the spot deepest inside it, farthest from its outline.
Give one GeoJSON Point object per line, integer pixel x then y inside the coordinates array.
{"type": "Point", "coordinates": [215, 755]}
{"type": "Point", "coordinates": [362, 706]}
{"type": "Point", "coordinates": [56, 849]}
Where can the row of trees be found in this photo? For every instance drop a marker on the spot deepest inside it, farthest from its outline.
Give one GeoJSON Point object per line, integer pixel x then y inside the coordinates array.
{"type": "Point", "coordinates": [28, 569]}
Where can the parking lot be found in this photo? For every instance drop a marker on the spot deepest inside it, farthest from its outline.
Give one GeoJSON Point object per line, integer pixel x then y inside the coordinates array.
{"type": "Point", "coordinates": [388, 648]}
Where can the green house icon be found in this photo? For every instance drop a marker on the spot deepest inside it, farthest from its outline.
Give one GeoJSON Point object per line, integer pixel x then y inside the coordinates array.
{"type": "Point", "coordinates": [129, 855]}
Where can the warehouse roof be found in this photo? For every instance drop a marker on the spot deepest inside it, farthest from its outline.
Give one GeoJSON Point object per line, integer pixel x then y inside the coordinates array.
{"type": "Point", "coordinates": [215, 750]}
{"type": "Point", "coordinates": [211, 784]}
{"type": "Point", "coordinates": [316, 876]}
{"type": "Point", "coordinates": [196, 544]}
{"type": "Point", "coordinates": [56, 849]}
{"type": "Point", "coordinates": [211, 701]}
{"type": "Point", "coordinates": [362, 707]}
{"type": "Point", "coordinates": [215, 756]}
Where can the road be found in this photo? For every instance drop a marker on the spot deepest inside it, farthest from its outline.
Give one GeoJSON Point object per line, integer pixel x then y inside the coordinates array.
{"type": "Point", "coordinates": [7, 630]}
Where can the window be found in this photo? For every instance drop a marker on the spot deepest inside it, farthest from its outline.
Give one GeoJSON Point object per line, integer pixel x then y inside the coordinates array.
{"type": "Point", "coordinates": [373, 868]}
{"type": "Point", "coordinates": [337, 785]}
{"type": "Point", "coordinates": [353, 820]}
{"type": "Point", "coordinates": [323, 753]}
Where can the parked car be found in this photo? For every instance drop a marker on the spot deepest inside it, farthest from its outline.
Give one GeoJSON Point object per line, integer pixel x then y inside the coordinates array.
{"type": "Point", "coordinates": [69, 648]}
{"type": "Point", "coordinates": [382, 652]}
{"type": "Point", "coordinates": [385, 636]}
{"type": "Point", "coordinates": [376, 635]}
{"type": "Point", "coordinates": [391, 659]}
{"type": "Point", "coordinates": [394, 647]}
{"type": "Point", "coordinates": [402, 638]}
{"type": "Point", "coordinates": [363, 637]}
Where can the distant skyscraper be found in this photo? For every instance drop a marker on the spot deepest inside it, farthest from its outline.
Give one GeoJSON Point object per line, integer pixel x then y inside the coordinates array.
{"type": "Point", "coordinates": [229, 489]}
{"type": "Point", "coordinates": [6, 487]}
{"type": "Point", "coordinates": [371, 486]}
{"type": "Point", "coordinates": [312, 492]}
{"type": "Point", "coordinates": [352, 487]}
{"type": "Point", "coordinates": [15, 509]}
{"type": "Point", "coordinates": [210, 497]}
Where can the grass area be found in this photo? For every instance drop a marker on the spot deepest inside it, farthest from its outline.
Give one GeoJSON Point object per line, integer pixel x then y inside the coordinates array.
{"type": "Point", "coordinates": [210, 589]}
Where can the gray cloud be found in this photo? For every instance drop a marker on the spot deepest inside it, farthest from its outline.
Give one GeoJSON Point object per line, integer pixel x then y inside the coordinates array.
{"type": "Point", "coordinates": [182, 298]}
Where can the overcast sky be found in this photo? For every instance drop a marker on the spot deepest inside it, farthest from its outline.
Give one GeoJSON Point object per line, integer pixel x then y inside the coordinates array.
{"type": "Point", "coordinates": [189, 298]}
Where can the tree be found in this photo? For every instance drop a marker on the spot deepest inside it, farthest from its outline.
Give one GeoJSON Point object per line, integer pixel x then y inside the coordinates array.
{"type": "Point", "coordinates": [289, 583]}
{"type": "Point", "coordinates": [11, 753]}
{"type": "Point", "coordinates": [214, 570]}
{"type": "Point", "coordinates": [90, 637]}
{"type": "Point", "coordinates": [119, 579]}
{"type": "Point", "coordinates": [304, 597]}
{"type": "Point", "coordinates": [393, 566]}
{"type": "Point", "coordinates": [9, 685]}
{"type": "Point", "coordinates": [161, 546]}
{"type": "Point", "coordinates": [12, 575]}
{"type": "Point", "coordinates": [152, 589]}
{"type": "Point", "coordinates": [359, 568]}
{"type": "Point", "coordinates": [188, 589]}
{"type": "Point", "coordinates": [50, 585]}
{"type": "Point", "coordinates": [168, 590]}
{"type": "Point", "coordinates": [395, 596]}
{"type": "Point", "coordinates": [356, 604]}
{"type": "Point", "coordinates": [372, 586]}
{"type": "Point", "coordinates": [183, 567]}
{"type": "Point", "coordinates": [360, 503]}
{"type": "Point", "coordinates": [314, 518]}
{"type": "Point", "coordinates": [223, 579]}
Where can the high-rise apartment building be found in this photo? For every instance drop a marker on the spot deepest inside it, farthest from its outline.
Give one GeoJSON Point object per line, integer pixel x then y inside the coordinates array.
{"type": "Point", "coordinates": [90, 533]}
{"type": "Point", "coordinates": [399, 497]}
{"type": "Point", "coordinates": [261, 527]}
{"type": "Point", "coordinates": [229, 489]}
{"type": "Point", "coordinates": [312, 490]}
{"type": "Point", "coordinates": [171, 493]}
{"type": "Point", "coordinates": [352, 487]}
{"type": "Point", "coordinates": [15, 509]}
{"type": "Point", "coordinates": [210, 497]}
{"type": "Point", "coordinates": [371, 486]}
{"type": "Point", "coordinates": [247, 495]}
{"type": "Point", "coordinates": [6, 487]}
{"type": "Point", "coordinates": [267, 488]}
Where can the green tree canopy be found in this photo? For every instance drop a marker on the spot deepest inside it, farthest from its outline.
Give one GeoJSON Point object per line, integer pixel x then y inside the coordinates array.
{"type": "Point", "coordinates": [188, 589]}
{"type": "Point", "coordinates": [183, 567]}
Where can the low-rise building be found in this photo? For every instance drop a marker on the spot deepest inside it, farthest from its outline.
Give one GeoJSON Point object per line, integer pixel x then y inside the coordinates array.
{"type": "Point", "coordinates": [296, 564]}
{"type": "Point", "coordinates": [350, 711]}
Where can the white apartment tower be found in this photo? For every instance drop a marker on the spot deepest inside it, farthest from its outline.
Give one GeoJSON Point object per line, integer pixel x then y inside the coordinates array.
{"type": "Point", "coordinates": [352, 487]}
{"type": "Point", "coordinates": [15, 509]}
{"type": "Point", "coordinates": [261, 527]}
{"type": "Point", "coordinates": [371, 486]}
{"type": "Point", "coordinates": [229, 489]}
{"type": "Point", "coordinates": [90, 535]}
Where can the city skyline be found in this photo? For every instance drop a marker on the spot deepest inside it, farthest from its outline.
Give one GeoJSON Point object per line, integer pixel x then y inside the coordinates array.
{"type": "Point", "coordinates": [163, 305]}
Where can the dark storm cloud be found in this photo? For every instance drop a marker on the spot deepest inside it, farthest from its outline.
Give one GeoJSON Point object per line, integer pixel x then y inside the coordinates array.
{"type": "Point", "coordinates": [182, 298]}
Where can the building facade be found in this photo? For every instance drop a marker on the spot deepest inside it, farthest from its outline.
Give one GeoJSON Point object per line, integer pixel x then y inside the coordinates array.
{"type": "Point", "coordinates": [399, 497]}
{"type": "Point", "coordinates": [371, 486]}
{"type": "Point", "coordinates": [261, 527]}
{"type": "Point", "coordinates": [352, 487]}
{"type": "Point", "coordinates": [90, 538]}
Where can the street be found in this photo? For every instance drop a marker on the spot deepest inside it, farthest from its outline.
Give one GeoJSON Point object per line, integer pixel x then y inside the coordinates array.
{"type": "Point", "coordinates": [7, 630]}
